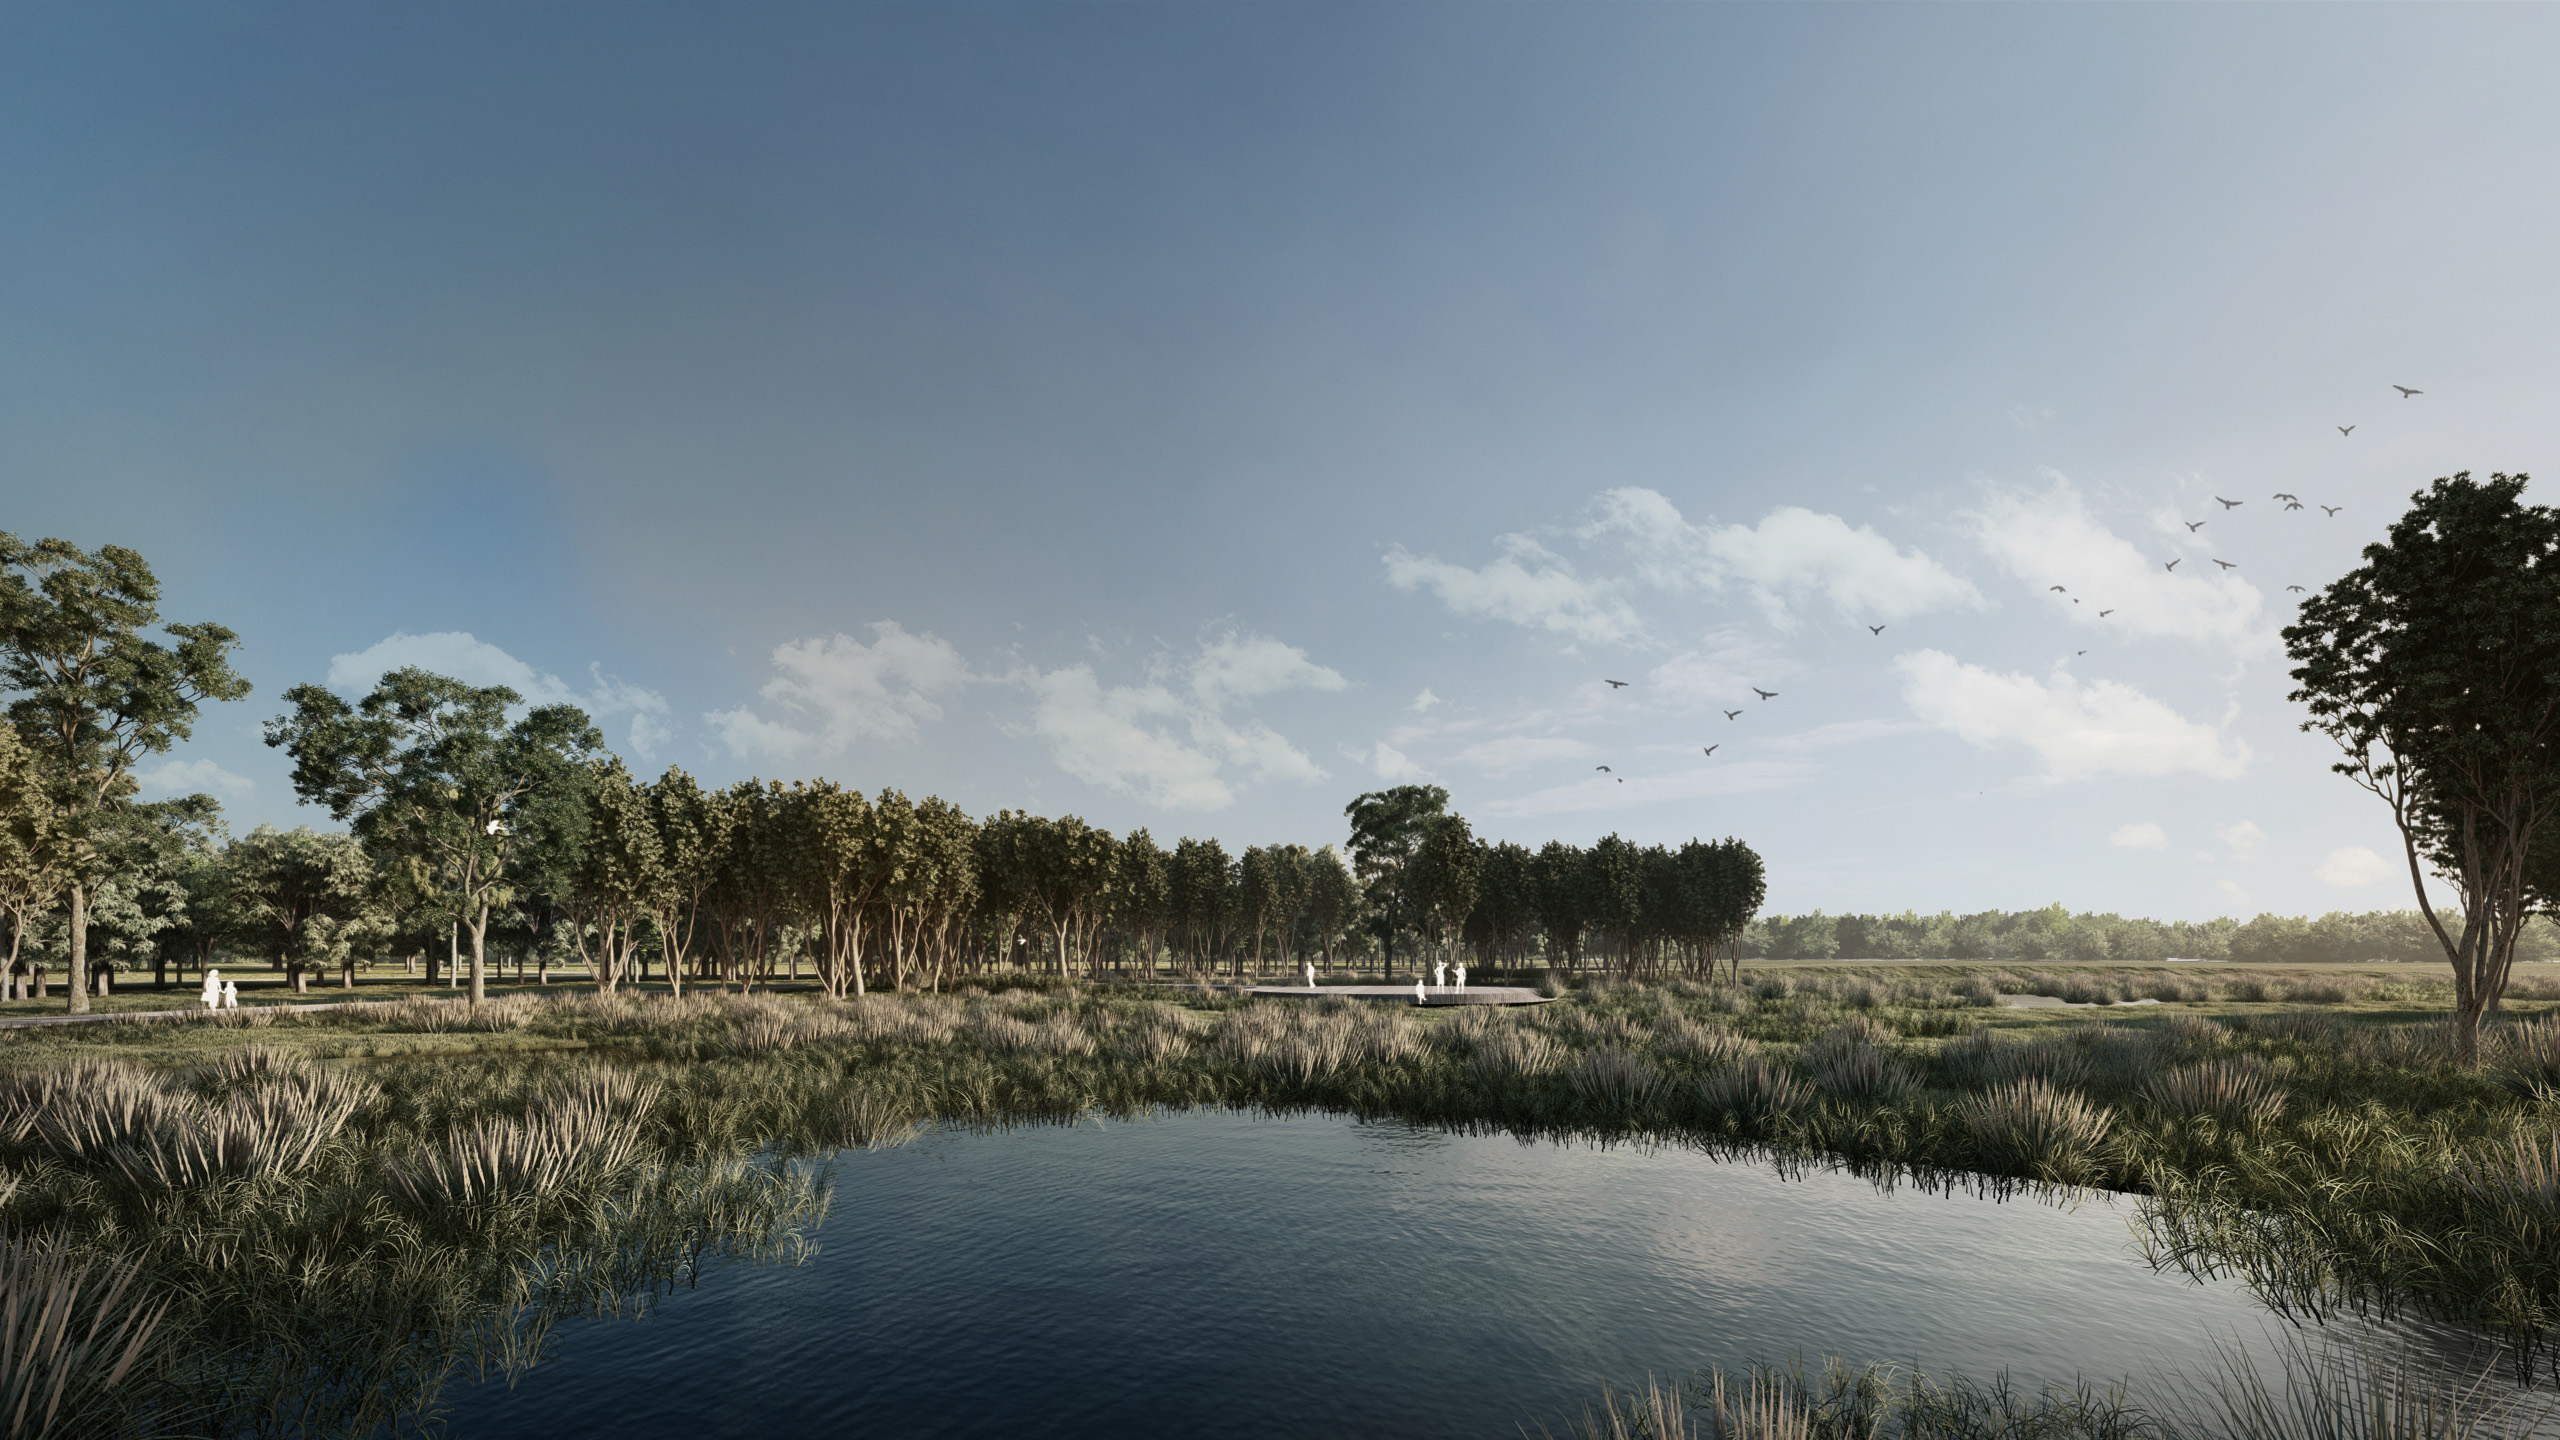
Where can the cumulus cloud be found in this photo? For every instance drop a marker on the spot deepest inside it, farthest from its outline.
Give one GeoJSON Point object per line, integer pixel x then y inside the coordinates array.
{"type": "Point", "coordinates": [2351, 866]}
{"type": "Point", "coordinates": [2078, 730]}
{"type": "Point", "coordinates": [1792, 556]}
{"type": "Point", "coordinates": [1171, 740]}
{"type": "Point", "coordinates": [1392, 765]}
{"type": "Point", "coordinates": [2244, 840]}
{"type": "Point", "coordinates": [2232, 895]}
{"type": "Point", "coordinates": [190, 777]}
{"type": "Point", "coordinates": [1528, 586]}
{"type": "Point", "coordinates": [1602, 792]}
{"type": "Point", "coordinates": [1424, 702]}
{"type": "Point", "coordinates": [2142, 835]}
{"type": "Point", "coordinates": [2051, 538]}
{"type": "Point", "coordinates": [834, 691]}
{"type": "Point", "coordinates": [463, 656]}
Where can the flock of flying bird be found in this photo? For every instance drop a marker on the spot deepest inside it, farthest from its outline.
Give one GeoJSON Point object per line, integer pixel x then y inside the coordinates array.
{"type": "Point", "coordinates": [2291, 502]}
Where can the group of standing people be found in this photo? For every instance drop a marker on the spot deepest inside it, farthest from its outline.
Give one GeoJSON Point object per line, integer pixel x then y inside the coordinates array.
{"type": "Point", "coordinates": [220, 994]}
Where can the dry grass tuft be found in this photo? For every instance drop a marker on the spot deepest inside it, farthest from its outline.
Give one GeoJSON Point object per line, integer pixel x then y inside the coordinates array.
{"type": "Point", "coordinates": [2239, 1091]}
{"type": "Point", "coordinates": [2032, 1127]}
{"type": "Point", "coordinates": [70, 1332]}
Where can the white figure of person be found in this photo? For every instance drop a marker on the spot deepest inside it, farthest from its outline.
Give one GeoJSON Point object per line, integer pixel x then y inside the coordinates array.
{"type": "Point", "coordinates": [1440, 975]}
{"type": "Point", "coordinates": [213, 989]}
{"type": "Point", "coordinates": [1462, 979]}
{"type": "Point", "coordinates": [230, 995]}
{"type": "Point", "coordinates": [1418, 997]}
{"type": "Point", "coordinates": [1310, 967]}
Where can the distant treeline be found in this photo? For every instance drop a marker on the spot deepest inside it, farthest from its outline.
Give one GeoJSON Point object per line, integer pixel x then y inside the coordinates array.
{"type": "Point", "coordinates": [2053, 933]}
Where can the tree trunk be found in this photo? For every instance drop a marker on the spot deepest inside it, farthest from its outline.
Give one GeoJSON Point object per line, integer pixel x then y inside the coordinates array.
{"type": "Point", "coordinates": [79, 949]}
{"type": "Point", "coordinates": [480, 957]}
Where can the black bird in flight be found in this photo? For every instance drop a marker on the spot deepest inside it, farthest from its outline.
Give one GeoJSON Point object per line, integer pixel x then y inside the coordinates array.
{"type": "Point", "coordinates": [1711, 749]}
{"type": "Point", "coordinates": [2346, 429]}
{"type": "Point", "coordinates": [2079, 652]}
{"type": "Point", "coordinates": [1875, 629]}
{"type": "Point", "coordinates": [2280, 495]}
{"type": "Point", "coordinates": [2229, 504]}
{"type": "Point", "coordinates": [2227, 564]}
{"type": "Point", "coordinates": [2058, 590]}
{"type": "Point", "coordinates": [2192, 527]}
{"type": "Point", "coordinates": [1621, 684]}
{"type": "Point", "coordinates": [2296, 505]}
{"type": "Point", "coordinates": [2293, 589]}
{"type": "Point", "coordinates": [2406, 392]}
{"type": "Point", "coordinates": [2103, 614]}
{"type": "Point", "coordinates": [2333, 510]}
{"type": "Point", "coordinates": [1733, 714]}
{"type": "Point", "coordinates": [2172, 565]}
{"type": "Point", "coordinates": [1603, 769]}
{"type": "Point", "coordinates": [1764, 694]}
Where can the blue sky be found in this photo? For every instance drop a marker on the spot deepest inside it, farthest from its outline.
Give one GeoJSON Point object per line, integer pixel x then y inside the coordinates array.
{"type": "Point", "coordinates": [1190, 416]}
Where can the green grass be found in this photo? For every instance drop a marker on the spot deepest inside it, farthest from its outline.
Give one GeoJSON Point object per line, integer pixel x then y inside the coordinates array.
{"type": "Point", "coordinates": [447, 1182]}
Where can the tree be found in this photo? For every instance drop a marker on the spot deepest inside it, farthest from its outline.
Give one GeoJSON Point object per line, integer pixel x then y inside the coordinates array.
{"type": "Point", "coordinates": [617, 874]}
{"type": "Point", "coordinates": [33, 866]}
{"type": "Point", "coordinates": [1440, 879]}
{"type": "Point", "coordinates": [2435, 667]}
{"type": "Point", "coordinates": [1333, 900]}
{"type": "Point", "coordinates": [299, 895]}
{"type": "Point", "coordinates": [1387, 828]}
{"type": "Point", "coordinates": [94, 695]}
{"type": "Point", "coordinates": [428, 769]}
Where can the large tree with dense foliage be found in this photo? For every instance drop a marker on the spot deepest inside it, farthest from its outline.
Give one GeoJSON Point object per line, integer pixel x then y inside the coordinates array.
{"type": "Point", "coordinates": [430, 771]}
{"type": "Point", "coordinates": [300, 896]}
{"type": "Point", "coordinates": [93, 694]}
{"type": "Point", "coordinates": [2435, 667]}
{"type": "Point", "coordinates": [1387, 830]}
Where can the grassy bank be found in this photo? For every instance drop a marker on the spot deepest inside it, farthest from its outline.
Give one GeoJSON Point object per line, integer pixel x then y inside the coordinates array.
{"type": "Point", "coordinates": [445, 1182]}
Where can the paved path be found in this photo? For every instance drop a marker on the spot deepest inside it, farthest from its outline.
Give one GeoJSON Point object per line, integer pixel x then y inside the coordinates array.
{"type": "Point", "coordinates": [192, 1012]}
{"type": "Point", "coordinates": [1472, 995]}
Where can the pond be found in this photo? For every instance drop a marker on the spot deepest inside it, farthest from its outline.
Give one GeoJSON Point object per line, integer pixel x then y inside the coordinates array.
{"type": "Point", "coordinates": [1220, 1274]}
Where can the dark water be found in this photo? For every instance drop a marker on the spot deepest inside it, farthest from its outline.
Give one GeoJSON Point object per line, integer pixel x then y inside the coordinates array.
{"type": "Point", "coordinates": [1221, 1275]}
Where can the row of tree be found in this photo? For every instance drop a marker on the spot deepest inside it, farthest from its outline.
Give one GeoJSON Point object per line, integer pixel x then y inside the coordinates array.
{"type": "Point", "coordinates": [2053, 933]}
{"type": "Point", "coordinates": [474, 819]}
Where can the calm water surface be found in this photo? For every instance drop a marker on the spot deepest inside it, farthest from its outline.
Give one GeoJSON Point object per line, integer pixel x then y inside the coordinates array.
{"type": "Point", "coordinates": [1216, 1274]}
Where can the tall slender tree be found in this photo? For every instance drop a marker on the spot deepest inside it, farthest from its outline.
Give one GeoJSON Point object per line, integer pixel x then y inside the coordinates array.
{"type": "Point", "coordinates": [93, 694]}
{"type": "Point", "coordinates": [1387, 827]}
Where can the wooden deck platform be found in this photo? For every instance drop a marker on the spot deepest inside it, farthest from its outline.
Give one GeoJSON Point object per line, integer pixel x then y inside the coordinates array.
{"type": "Point", "coordinates": [1393, 994]}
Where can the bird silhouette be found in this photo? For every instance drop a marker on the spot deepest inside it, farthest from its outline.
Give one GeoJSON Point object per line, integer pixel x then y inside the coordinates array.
{"type": "Point", "coordinates": [1621, 684]}
{"type": "Point", "coordinates": [2103, 614]}
{"type": "Point", "coordinates": [1733, 714]}
{"type": "Point", "coordinates": [2333, 510]}
{"type": "Point", "coordinates": [2293, 589]}
{"type": "Point", "coordinates": [2226, 564]}
{"type": "Point", "coordinates": [2079, 652]}
{"type": "Point", "coordinates": [2296, 505]}
{"type": "Point", "coordinates": [2192, 526]}
{"type": "Point", "coordinates": [2280, 495]}
{"type": "Point", "coordinates": [2406, 392]}
{"type": "Point", "coordinates": [2229, 504]}
{"type": "Point", "coordinates": [2346, 429]}
{"type": "Point", "coordinates": [1711, 749]}
{"type": "Point", "coordinates": [1603, 769]}
{"type": "Point", "coordinates": [1875, 629]}
{"type": "Point", "coordinates": [1764, 694]}
{"type": "Point", "coordinates": [2057, 589]}
{"type": "Point", "coordinates": [2172, 565]}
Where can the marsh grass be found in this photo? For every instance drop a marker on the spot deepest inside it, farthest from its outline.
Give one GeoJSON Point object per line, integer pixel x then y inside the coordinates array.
{"type": "Point", "coordinates": [71, 1332]}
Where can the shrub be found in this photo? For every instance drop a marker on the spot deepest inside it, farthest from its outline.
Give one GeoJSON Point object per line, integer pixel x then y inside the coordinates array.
{"type": "Point", "coordinates": [2033, 1128]}
{"type": "Point", "coordinates": [2237, 1091]}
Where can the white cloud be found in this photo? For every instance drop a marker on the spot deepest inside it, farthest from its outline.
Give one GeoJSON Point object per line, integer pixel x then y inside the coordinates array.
{"type": "Point", "coordinates": [1549, 597]}
{"type": "Point", "coordinates": [1512, 752]}
{"type": "Point", "coordinates": [461, 656]}
{"type": "Point", "coordinates": [189, 777]}
{"type": "Point", "coordinates": [835, 691]}
{"type": "Point", "coordinates": [1424, 702]}
{"type": "Point", "coordinates": [1603, 792]}
{"type": "Point", "coordinates": [1791, 556]}
{"type": "Point", "coordinates": [1392, 765]}
{"type": "Point", "coordinates": [2051, 539]}
{"type": "Point", "coordinates": [2244, 840]}
{"type": "Point", "coordinates": [2232, 895]}
{"type": "Point", "coordinates": [1170, 741]}
{"type": "Point", "coordinates": [2142, 835]}
{"type": "Point", "coordinates": [2351, 866]}
{"type": "Point", "coordinates": [2076, 729]}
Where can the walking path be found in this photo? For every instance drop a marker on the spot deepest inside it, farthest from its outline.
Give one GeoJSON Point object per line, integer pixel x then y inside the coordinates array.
{"type": "Point", "coordinates": [1472, 995]}
{"type": "Point", "coordinates": [103, 1017]}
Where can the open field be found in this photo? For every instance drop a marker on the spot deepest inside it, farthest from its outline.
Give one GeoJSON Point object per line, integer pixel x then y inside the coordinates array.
{"type": "Point", "coordinates": [2301, 1126]}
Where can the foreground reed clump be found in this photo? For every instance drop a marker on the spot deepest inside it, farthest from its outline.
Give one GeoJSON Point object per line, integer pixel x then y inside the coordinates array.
{"type": "Point", "coordinates": [71, 1331]}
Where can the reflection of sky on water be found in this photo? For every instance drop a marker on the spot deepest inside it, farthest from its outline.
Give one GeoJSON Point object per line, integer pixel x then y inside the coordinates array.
{"type": "Point", "coordinates": [1218, 1274]}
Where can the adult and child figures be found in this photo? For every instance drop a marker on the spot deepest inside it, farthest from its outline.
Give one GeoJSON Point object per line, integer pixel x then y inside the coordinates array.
{"type": "Point", "coordinates": [220, 994]}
